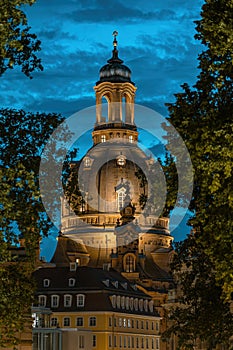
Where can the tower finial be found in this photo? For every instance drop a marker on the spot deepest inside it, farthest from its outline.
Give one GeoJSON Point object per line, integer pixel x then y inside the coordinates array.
{"type": "Point", "coordinates": [115, 33]}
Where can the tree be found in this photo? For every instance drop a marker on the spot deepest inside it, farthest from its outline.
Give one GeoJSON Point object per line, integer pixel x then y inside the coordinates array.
{"type": "Point", "coordinates": [200, 314]}
{"type": "Point", "coordinates": [22, 140]}
{"type": "Point", "coordinates": [203, 117]}
{"type": "Point", "coordinates": [18, 197]}
{"type": "Point", "coordinates": [18, 47]}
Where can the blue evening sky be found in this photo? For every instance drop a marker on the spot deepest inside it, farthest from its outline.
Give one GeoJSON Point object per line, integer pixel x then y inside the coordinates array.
{"type": "Point", "coordinates": [156, 40]}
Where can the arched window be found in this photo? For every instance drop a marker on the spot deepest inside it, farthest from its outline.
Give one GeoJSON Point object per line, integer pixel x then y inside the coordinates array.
{"type": "Point", "coordinates": [113, 300]}
{"type": "Point", "coordinates": [141, 304]}
{"type": "Point", "coordinates": [131, 304]}
{"type": "Point", "coordinates": [122, 302]}
{"type": "Point", "coordinates": [127, 303]}
{"type": "Point", "coordinates": [120, 198]}
{"type": "Point", "coordinates": [118, 301]}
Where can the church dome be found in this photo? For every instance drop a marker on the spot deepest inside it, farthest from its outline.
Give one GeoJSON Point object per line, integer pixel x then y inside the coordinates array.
{"type": "Point", "coordinates": [115, 71]}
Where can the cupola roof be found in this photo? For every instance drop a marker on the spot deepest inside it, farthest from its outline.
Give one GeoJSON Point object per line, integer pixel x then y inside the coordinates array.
{"type": "Point", "coordinates": [114, 71]}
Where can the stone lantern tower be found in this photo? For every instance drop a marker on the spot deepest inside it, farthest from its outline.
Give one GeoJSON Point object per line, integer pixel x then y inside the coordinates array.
{"type": "Point", "coordinates": [109, 173]}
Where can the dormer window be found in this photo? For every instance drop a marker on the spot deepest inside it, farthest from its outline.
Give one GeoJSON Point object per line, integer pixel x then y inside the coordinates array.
{"type": "Point", "coordinates": [73, 266]}
{"type": "Point", "coordinates": [115, 283]}
{"type": "Point", "coordinates": [124, 285]}
{"type": "Point", "coordinates": [46, 282]}
{"type": "Point", "coordinates": [71, 282]}
{"type": "Point", "coordinates": [113, 300]}
{"type": "Point", "coordinates": [106, 283]}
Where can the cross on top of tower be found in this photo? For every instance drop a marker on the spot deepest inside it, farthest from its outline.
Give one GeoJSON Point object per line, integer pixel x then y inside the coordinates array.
{"type": "Point", "coordinates": [115, 33]}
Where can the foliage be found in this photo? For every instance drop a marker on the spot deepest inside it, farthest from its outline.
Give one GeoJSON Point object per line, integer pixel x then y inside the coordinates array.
{"type": "Point", "coordinates": [203, 117]}
{"type": "Point", "coordinates": [22, 140]}
{"type": "Point", "coordinates": [200, 313]}
{"type": "Point", "coordinates": [16, 298]}
{"type": "Point", "coordinates": [18, 47]}
{"type": "Point", "coordinates": [155, 199]}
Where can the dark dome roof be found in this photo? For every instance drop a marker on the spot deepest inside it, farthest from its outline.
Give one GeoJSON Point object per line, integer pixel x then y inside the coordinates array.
{"type": "Point", "coordinates": [115, 71]}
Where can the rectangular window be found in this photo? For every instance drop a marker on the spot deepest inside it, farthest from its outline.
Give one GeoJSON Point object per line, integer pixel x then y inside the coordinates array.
{"type": "Point", "coordinates": [157, 326]}
{"type": "Point", "coordinates": [137, 343]}
{"type": "Point", "coordinates": [54, 322]}
{"type": "Point", "coordinates": [92, 321]}
{"type": "Point", "coordinates": [67, 300]}
{"type": "Point", "coordinates": [79, 321]}
{"type": "Point", "coordinates": [137, 322]}
{"type": "Point", "coordinates": [142, 342]}
{"type": "Point", "coordinates": [157, 343]}
{"type": "Point", "coordinates": [81, 341]}
{"type": "Point", "coordinates": [129, 342]}
{"type": "Point", "coordinates": [115, 341]}
{"type": "Point", "coordinates": [110, 341]}
{"type": "Point", "coordinates": [110, 322]}
{"type": "Point", "coordinates": [142, 324]}
{"type": "Point", "coordinates": [152, 344]}
{"type": "Point", "coordinates": [66, 321]}
{"type": "Point", "coordinates": [132, 342]}
{"type": "Point", "coordinates": [124, 341]}
{"type": "Point", "coordinates": [147, 326]}
{"type": "Point", "coordinates": [120, 341]}
{"type": "Point", "coordinates": [80, 300]}
{"type": "Point", "coordinates": [55, 301]}
{"type": "Point", "coordinates": [42, 300]}
{"type": "Point", "coordinates": [94, 341]}
{"type": "Point", "coordinates": [120, 322]}
{"type": "Point", "coordinates": [132, 323]}
{"type": "Point", "coordinates": [152, 326]}
{"type": "Point", "coordinates": [147, 343]}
